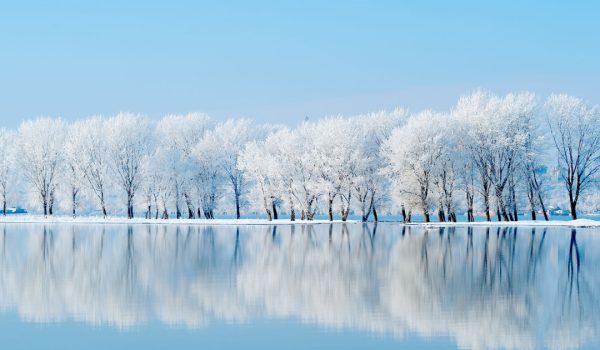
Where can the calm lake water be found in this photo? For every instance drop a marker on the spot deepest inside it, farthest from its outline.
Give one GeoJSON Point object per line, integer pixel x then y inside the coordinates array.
{"type": "Point", "coordinates": [306, 286]}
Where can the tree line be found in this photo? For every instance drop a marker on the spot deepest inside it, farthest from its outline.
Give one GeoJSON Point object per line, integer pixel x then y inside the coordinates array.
{"type": "Point", "coordinates": [491, 155]}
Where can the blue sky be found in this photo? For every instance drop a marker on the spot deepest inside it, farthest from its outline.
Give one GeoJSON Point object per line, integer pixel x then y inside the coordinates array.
{"type": "Point", "coordinates": [282, 61]}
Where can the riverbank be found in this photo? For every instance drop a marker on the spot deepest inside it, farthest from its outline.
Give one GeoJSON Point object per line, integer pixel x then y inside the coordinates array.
{"type": "Point", "coordinates": [25, 219]}
{"type": "Point", "coordinates": [522, 223]}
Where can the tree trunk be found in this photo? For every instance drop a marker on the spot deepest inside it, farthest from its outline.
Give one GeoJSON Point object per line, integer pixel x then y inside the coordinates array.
{"type": "Point", "coordinates": [543, 207]}
{"type": "Point", "coordinates": [375, 216]}
{"type": "Point", "coordinates": [403, 214]}
{"type": "Point", "coordinates": [441, 215]}
{"type": "Point", "coordinates": [51, 206]}
{"type": "Point", "coordinates": [275, 215]}
{"type": "Point", "coordinates": [74, 201]}
{"type": "Point", "coordinates": [573, 205]}
{"type": "Point", "coordinates": [533, 215]}
{"type": "Point", "coordinates": [345, 213]}
{"type": "Point", "coordinates": [4, 207]}
{"type": "Point", "coordinates": [237, 206]}
{"type": "Point", "coordinates": [302, 215]}
{"type": "Point", "coordinates": [292, 209]}
{"type": "Point", "coordinates": [130, 206]}
{"type": "Point", "coordinates": [426, 217]}
{"type": "Point", "coordinates": [366, 214]}
{"type": "Point", "coordinates": [330, 201]}
{"type": "Point", "coordinates": [188, 203]}
{"type": "Point", "coordinates": [45, 205]}
{"type": "Point", "coordinates": [486, 202]}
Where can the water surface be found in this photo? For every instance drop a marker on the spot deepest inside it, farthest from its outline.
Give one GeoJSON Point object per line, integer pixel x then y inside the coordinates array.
{"type": "Point", "coordinates": [304, 286]}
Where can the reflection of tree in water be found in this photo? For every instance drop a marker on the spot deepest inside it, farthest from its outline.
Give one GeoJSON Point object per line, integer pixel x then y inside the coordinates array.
{"type": "Point", "coordinates": [129, 266]}
{"type": "Point", "coordinates": [207, 254]}
{"type": "Point", "coordinates": [535, 253]}
{"type": "Point", "coordinates": [577, 292]}
{"type": "Point", "coordinates": [47, 245]}
{"type": "Point", "coordinates": [576, 314]}
{"type": "Point", "coordinates": [485, 287]}
{"type": "Point", "coordinates": [237, 251]}
{"type": "Point", "coordinates": [573, 265]}
{"type": "Point", "coordinates": [4, 243]}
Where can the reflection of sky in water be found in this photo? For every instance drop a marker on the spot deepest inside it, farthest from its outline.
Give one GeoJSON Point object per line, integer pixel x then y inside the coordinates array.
{"type": "Point", "coordinates": [324, 286]}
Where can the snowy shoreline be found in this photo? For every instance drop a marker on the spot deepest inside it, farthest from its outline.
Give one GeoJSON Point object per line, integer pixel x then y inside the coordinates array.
{"type": "Point", "coordinates": [33, 219]}
{"type": "Point", "coordinates": [522, 223]}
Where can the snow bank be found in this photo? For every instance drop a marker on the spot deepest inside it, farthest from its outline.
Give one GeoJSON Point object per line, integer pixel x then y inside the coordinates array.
{"type": "Point", "coordinates": [23, 219]}
{"type": "Point", "coordinates": [561, 223]}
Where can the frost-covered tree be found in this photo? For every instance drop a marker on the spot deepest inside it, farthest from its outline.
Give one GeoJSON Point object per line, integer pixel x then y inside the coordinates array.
{"type": "Point", "coordinates": [336, 143]}
{"type": "Point", "coordinates": [471, 115]}
{"type": "Point", "coordinates": [257, 161]}
{"type": "Point", "coordinates": [512, 117]}
{"type": "Point", "coordinates": [176, 137]}
{"type": "Point", "coordinates": [575, 130]}
{"type": "Point", "coordinates": [301, 162]}
{"type": "Point", "coordinates": [445, 177]}
{"type": "Point", "coordinates": [281, 153]}
{"type": "Point", "coordinates": [7, 161]}
{"type": "Point", "coordinates": [158, 184]}
{"type": "Point", "coordinates": [494, 133]}
{"type": "Point", "coordinates": [414, 152]}
{"type": "Point", "coordinates": [129, 139]}
{"type": "Point", "coordinates": [41, 144]}
{"type": "Point", "coordinates": [466, 176]}
{"type": "Point", "coordinates": [534, 168]}
{"type": "Point", "coordinates": [488, 152]}
{"type": "Point", "coordinates": [73, 173]}
{"type": "Point", "coordinates": [208, 182]}
{"type": "Point", "coordinates": [223, 145]}
{"type": "Point", "coordinates": [370, 183]}
{"type": "Point", "coordinates": [90, 153]}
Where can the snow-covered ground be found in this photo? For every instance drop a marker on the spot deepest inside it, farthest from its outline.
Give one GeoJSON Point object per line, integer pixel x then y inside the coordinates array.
{"type": "Point", "coordinates": [563, 223]}
{"type": "Point", "coordinates": [123, 220]}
